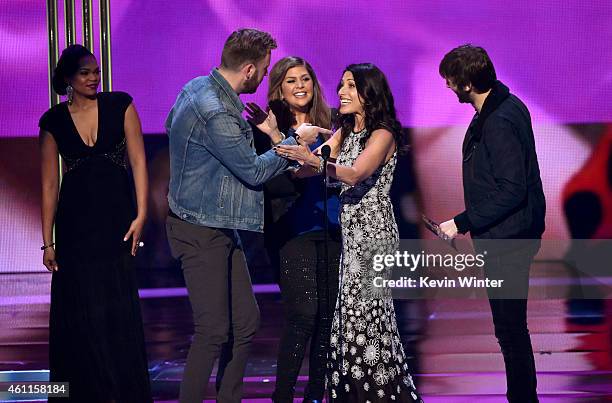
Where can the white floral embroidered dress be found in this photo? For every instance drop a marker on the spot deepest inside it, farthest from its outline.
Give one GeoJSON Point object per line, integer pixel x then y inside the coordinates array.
{"type": "Point", "coordinates": [367, 362]}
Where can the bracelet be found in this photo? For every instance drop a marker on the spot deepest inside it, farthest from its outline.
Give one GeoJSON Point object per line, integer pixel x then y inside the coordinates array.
{"type": "Point", "coordinates": [47, 246]}
{"type": "Point", "coordinates": [281, 140]}
{"type": "Point", "coordinates": [319, 169]}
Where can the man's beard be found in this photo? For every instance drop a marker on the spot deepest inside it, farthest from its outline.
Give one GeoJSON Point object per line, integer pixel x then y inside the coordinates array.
{"type": "Point", "coordinates": [464, 96]}
{"type": "Point", "coordinates": [250, 86]}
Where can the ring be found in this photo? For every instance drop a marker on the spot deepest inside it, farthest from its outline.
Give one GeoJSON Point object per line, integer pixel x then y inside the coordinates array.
{"type": "Point", "coordinates": [140, 244]}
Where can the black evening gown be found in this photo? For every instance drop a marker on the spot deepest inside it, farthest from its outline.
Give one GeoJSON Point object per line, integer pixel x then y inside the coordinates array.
{"type": "Point", "coordinates": [96, 339]}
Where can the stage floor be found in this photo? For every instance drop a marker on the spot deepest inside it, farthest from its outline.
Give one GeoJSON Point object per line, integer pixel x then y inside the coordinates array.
{"type": "Point", "coordinates": [454, 354]}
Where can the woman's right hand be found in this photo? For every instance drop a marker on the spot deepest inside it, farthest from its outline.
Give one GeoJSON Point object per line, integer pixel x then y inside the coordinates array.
{"type": "Point", "coordinates": [49, 259]}
{"type": "Point", "coordinates": [299, 153]}
{"type": "Point", "coordinates": [265, 121]}
{"type": "Point", "coordinates": [308, 133]}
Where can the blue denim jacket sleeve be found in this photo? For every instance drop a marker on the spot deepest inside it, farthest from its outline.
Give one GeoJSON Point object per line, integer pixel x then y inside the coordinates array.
{"type": "Point", "coordinates": [226, 142]}
{"type": "Point", "coordinates": [168, 122]}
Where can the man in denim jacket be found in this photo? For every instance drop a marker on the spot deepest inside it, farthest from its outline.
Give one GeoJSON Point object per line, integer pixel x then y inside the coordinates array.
{"type": "Point", "coordinates": [215, 190]}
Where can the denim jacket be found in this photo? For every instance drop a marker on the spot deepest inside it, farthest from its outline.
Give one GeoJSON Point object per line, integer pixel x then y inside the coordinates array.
{"type": "Point", "coordinates": [216, 176]}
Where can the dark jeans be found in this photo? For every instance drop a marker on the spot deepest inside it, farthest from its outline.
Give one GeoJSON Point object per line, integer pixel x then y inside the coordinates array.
{"type": "Point", "coordinates": [225, 312]}
{"type": "Point", "coordinates": [509, 309]}
{"type": "Point", "coordinates": [309, 290]}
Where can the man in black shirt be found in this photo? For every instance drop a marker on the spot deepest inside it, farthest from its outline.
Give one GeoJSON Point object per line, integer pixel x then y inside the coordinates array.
{"type": "Point", "coordinates": [504, 203]}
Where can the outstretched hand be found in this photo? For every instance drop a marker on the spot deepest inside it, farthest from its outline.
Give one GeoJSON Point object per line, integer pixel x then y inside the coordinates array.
{"type": "Point", "coordinates": [308, 133]}
{"type": "Point", "coordinates": [299, 153]}
{"type": "Point", "coordinates": [265, 121]}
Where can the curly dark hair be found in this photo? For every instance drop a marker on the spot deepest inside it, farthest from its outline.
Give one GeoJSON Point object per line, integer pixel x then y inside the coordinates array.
{"type": "Point", "coordinates": [67, 66]}
{"type": "Point", "coordinates": [378, 104]}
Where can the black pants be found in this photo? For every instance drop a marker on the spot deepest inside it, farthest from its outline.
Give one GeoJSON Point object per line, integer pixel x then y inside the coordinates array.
{"type": "Point", "coordinates": [509, 309]}
{"type": "Point", "coordinates": [225, 312]}
{"type": "Point", "coordinates": [309, 290]}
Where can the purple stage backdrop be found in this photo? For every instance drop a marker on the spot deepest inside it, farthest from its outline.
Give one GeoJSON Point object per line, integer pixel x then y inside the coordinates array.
{"type": "Point", "coordinates": [555, 55]}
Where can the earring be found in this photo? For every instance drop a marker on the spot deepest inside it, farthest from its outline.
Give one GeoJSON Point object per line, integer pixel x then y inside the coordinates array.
{"type": "Point", "coordinates": [70, 93]}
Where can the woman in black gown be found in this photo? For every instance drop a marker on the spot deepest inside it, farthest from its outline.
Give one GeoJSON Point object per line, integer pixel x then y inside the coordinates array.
{"type": "Point", "coordinates": [96, 340]}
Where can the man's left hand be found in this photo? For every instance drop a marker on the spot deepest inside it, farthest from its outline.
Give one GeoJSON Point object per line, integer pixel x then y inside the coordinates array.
{"type": "Point", "coordinates": [449, 229]}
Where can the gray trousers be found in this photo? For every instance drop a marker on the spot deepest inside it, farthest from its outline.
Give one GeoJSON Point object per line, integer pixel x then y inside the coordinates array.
{"type": "Point", "coordinates": [225, 312]}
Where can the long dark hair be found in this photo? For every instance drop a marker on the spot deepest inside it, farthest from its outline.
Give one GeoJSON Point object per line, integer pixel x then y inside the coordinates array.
{"type": "Point", "coordinates": [378, 104]}
{"type": "Point", "coordinates": [67, 66]}
{"type": "Point", "coordinates": [318, 113]}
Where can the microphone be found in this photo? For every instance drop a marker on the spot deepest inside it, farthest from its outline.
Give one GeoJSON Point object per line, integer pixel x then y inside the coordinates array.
{"type": "Point", "coordinates": [325, 152]}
